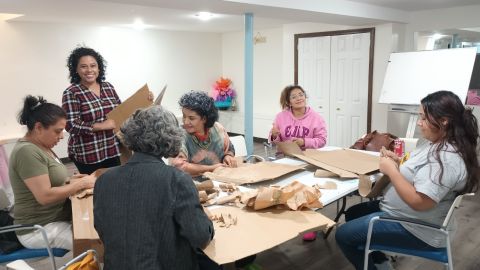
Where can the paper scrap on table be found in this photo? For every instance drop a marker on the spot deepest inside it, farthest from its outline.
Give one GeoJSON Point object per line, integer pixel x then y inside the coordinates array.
{"type": "Point", "coordinates": [319, 173]}
{"type": "Point", "coordinates": [367, 189]}
{"type": "Point", "coordinates": [326, 185]}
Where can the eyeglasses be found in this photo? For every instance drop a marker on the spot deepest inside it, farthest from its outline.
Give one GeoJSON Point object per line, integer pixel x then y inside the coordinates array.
{"type": "Point", "coordinates": [299, 95]}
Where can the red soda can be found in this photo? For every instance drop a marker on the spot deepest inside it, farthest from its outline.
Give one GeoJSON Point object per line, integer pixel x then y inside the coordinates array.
{"type": "Point", "coordinates": [399, 147]}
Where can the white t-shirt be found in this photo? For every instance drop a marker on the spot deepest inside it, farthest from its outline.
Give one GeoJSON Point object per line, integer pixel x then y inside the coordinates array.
{"type": "Point", "coordinates": [423, 170]}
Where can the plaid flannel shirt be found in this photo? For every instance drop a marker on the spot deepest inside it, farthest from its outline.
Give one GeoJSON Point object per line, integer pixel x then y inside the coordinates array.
{"type": "Point", "coordinates": [84, 109]}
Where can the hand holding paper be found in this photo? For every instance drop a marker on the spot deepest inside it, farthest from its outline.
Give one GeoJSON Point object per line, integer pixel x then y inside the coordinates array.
{"type": "Point", "coordinates": [387, 165]}
{"type": "Point", "coordinates": [387, 153]}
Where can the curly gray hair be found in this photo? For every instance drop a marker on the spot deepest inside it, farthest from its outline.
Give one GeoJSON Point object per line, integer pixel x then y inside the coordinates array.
{"type": "Point", "coordinates": [153, 131]}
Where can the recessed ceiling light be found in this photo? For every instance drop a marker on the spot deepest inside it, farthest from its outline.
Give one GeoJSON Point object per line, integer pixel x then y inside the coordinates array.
{"type": "Point", "coordinates": [204, 15]}
{"type": "Point", "coordinates": [437, 36]}
{"type": "Point", "coordinates": [138, 24]}
{"type": "Point", "coordinates": [9, 16]}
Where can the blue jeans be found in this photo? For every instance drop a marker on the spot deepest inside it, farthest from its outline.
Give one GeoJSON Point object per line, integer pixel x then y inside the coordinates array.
{"type": "Point", "coordinates": [352, 236]}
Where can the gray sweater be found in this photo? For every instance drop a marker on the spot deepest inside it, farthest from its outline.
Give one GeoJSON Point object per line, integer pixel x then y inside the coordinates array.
{"type": "Point", "coordinates": [148, 216]}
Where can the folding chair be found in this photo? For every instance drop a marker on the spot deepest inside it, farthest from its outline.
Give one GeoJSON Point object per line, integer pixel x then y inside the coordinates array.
{"type": "Point", "coordinates": [443, 255]}
{"type": "Point", "coordinates": [70, 265]}
{"type": "Point", "coordinates": [26, 253]}
{"type": "Point", "coordinates": [241, 149]}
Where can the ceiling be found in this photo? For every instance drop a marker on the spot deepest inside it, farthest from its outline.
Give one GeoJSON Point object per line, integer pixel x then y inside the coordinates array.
{"type": "Point", "coordinates": [180, 14]}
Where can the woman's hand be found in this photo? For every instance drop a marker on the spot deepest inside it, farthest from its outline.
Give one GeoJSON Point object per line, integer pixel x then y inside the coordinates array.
{"type": "Point", "coordinates": [299, 141]}
{"type": "Point", "coordinates": [230, 161]}
{"type": "Point", "coordinates": [105, 125]}
{"type": "Point", "coordinates": [84, 182]}
{"type": "Point", "coordinates": [387, 165]}
{"type": "Point", "coordinates": [387, 153]}
{"type": "Point", "coordinates": [150, 96]}
{"type": "Point", "coordinates": [275, 131]}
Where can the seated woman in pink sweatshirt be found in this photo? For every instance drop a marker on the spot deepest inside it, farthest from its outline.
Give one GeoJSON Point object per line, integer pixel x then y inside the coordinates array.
{"type": "Point", "coordinates": [298, 123]}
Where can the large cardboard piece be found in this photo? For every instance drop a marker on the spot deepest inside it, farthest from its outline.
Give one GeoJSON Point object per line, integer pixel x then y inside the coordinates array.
{"type": "Point", "coordinates": [251, 173]}
{"type": "Point", "coordinates": [123, 111]}
{"type": "Point", "coordinates": [84, 234]}
{"type": "Point", "coordinates": [344, 162]}
{"type": "Point", "coordinates": [346, 159]}
{"type": "Point", "coordinates": [257, 231]}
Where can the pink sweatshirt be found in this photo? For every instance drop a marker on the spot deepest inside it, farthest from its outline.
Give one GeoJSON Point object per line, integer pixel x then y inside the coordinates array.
{"type": "Point", "coordinates": [310, 127]}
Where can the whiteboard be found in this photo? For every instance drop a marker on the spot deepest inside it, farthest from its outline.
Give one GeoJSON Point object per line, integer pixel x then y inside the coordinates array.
{"type": "Point", "coordinates": [410, 76]}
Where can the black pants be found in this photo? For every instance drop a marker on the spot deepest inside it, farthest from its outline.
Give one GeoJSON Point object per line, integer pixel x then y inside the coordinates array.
{"type": "Point", "coordinates": [90, 168]}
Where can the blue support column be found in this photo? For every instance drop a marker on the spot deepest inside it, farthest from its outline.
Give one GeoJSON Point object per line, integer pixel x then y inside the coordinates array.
{"type": "Point", "coordinates": [249, 82]}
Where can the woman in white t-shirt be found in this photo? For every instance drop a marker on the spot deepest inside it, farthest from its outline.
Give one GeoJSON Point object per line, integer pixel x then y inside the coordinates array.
{"type": "Point", "coordinates": [423, 187]}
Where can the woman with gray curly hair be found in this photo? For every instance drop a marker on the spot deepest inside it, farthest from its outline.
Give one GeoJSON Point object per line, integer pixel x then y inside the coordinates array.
{"type": "Point", "coordinates": [153, 206]}
{"type": "Point", "coordinates": [206, 145]}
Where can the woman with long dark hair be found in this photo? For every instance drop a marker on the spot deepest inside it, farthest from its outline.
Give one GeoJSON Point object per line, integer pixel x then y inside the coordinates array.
{"type": "Point", "coordinates": [424, 187]}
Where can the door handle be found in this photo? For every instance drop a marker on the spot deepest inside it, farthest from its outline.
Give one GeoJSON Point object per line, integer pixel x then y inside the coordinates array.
{"type": "Point", "coordinates": [320, 107]}
{"type": "Point", "coordinates": [338, 109]}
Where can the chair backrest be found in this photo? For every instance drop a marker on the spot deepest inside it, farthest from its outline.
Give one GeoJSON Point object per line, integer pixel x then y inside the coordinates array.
{"type": "Point", "coordinates": [239, 145]}
{"type": "Point", "coordinates": [455, 205]}
{"type": "Point", "coordinates": [26, 253]}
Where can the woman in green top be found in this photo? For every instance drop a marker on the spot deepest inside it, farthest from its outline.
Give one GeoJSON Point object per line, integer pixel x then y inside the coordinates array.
{"type": "Point", "coordinates": [38, 177]}
{"type": "Point", "coordinates": [206, 145]}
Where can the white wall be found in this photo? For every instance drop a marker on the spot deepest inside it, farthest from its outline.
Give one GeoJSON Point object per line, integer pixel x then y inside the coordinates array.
{"type": "Point", "coordinates": [441, 19]}
{"type": "Point", "coordinates": [267, 79]}
{"type": "Point", "coordinates": [33, 57]}
{"type": "Point", "coordinates": [274, 69]}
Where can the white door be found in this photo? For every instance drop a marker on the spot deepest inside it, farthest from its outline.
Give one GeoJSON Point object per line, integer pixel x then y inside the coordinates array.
{"type": "Point", "coordinates": [349, 88]}
{"type": "Point", "coordinates": [334, 72]}
{"type": "Point", "coordinates": [314, 73]}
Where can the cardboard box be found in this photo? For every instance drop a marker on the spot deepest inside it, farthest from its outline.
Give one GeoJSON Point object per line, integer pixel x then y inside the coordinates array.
{"type": "Point", "coordinates": [257, 231]}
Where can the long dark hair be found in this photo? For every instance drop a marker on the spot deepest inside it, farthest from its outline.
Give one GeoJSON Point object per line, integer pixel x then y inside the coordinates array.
{"type": "Point", "coordinates": [74, 58]}
{"type": "Point", "coordinates": [39, 110]}
{"type": "Point", "coordinates": [461, 131]}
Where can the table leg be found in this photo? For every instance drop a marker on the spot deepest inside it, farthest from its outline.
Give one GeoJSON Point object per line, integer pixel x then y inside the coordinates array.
{"type": "Point", "coordinates": [339, 214]}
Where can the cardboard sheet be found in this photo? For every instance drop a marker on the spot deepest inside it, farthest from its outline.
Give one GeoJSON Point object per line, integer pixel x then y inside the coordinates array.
{"type": "Point", "coordinates": [368, 190]}
{"type": "Point", "coordinates": [128, 107]}
{"type": "Point", "coordinates": [158, 100]}
{"type": "Point", "coordinates": [289, 148]}
{"type": "Point", "coordinates": [345, 159]}
{"type": "Point", "coordinates": [251, 173]}
{"type": "Point", "coordinates": [335, 170]}
{"type": "Point", "coordinates": [257, 231]}
{"type": "Point", "coordinates": [84, 234]}
{"type": "Point", "coordinates": [343, 163]}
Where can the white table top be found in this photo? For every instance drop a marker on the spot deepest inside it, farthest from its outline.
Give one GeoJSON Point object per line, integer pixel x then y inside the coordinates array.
{"type": "Point", "coordinates": [344, 186]}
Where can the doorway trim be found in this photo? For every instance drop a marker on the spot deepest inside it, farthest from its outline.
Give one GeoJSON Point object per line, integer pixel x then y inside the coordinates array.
{"type": "Point", "coordinates": [370, 64]}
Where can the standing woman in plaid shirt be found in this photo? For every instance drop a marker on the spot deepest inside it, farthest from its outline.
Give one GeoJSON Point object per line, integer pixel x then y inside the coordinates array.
{"type": "Point", "coordinates": [92, 143]}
